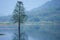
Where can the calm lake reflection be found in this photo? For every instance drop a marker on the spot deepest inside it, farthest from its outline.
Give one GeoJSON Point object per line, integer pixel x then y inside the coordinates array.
{"type": "Point", "coordinates": [34, 32]}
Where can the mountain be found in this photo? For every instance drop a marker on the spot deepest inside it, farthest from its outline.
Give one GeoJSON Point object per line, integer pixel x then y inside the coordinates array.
{"type": "Point", "coordinates": [5, 18]}
{"type": "Point", "coordinates": [50, 11]}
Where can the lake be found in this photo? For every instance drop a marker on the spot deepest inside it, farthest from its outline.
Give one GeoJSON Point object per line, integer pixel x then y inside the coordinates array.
{"type": "Point", "coordinates": [34, 32]}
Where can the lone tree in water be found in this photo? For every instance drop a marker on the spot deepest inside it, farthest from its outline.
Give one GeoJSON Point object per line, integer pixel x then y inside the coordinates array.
{"type": "Point", "coordinates": [19, 15]}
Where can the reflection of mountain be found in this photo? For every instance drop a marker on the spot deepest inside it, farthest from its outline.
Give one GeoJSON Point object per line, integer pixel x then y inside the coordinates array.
{"type": "Point", "coordinates": [48, 12]}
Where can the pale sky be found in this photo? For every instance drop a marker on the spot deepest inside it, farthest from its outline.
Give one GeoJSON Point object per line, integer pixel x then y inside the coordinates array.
{"type": "Point", "coordinates": [7, 6]}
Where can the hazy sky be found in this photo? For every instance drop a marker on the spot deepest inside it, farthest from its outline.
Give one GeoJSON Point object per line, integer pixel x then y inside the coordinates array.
{"type": "Point", "coordinates": [7, 6]}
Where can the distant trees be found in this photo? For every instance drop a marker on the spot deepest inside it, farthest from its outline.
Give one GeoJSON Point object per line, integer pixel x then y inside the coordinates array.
{"type": "Point", "coordinates": [19, 15]}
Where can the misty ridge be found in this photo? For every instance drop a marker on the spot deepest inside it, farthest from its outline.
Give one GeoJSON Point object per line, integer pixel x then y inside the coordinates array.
{"type": "Point", "coordinates": [50, 11]}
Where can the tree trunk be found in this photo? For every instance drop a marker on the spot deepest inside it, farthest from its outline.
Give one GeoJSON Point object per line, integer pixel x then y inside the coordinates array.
{"type": "Point", "coordinates": [19, 30]}
{"type": "Point", "coordinates": [19, 22]}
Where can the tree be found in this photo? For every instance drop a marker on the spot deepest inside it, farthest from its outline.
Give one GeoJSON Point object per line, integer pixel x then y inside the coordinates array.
{"type": "Point", "coordinates": [19, 15]}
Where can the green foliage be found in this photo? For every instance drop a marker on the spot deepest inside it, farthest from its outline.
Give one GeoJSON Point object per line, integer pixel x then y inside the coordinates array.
{"type": "Point", "coordinates": [19, 13]}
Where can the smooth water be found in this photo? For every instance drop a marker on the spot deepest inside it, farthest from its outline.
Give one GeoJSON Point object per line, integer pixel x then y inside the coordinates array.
{"type": "Point", "coordinates": [34, 32]}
